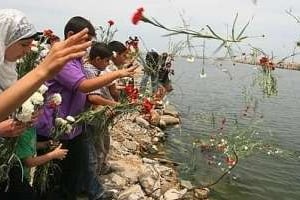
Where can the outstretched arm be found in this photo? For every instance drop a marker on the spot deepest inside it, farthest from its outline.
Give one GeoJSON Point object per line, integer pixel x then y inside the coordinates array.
{"type": "Point", "coordinates": [59, 54]}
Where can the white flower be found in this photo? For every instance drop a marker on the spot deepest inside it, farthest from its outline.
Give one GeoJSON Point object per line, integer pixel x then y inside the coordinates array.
{"type": "Point", "coordinates": [56, 99]}
{"type": "Point", "coordinates": [27, 107]}
{"type": "Point", "coordinates": [24, 117]}
{"type": "Point", "coordinates": [37, 99]}
{"type": "Point", "coordinates": [69, 128]}
{"type": "Point", "coordinates": [60, 121]}
{"type": "Point", "coordinates": [35, 43]}
{"type": "Point", "coordinates": [34, 49]}
{"type": "Point", "coordinates": [202, 75]}
{"type": "Point", "coordinates": [132, 49]}
{"type": "Point", "coordinates": [70, 118]}
{"type": "Point", "coordinates": [114, 54]}
{"type": "Point", "coordinates": [246, 148]}
{"type": "Point", "coordinates": [190, 59]}
{"type": "Point", "coordinates": [43, 89]}
{"type": "Point", "coordinates": [25, 114]}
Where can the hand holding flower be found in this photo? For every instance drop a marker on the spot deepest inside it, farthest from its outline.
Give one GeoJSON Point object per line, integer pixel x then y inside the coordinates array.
{"type": "Point", "coordinates": [11, 128]}
{"type": "Point", "coordinates": [58, 153]}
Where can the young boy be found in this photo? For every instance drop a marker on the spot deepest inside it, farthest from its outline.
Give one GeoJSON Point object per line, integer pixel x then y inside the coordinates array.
{"type": "Point", "coordinates": [26, 151]}
{"type": "Point", "coordinates": [72, 84]}
{"type": "Point", "coordinates": [118, 61]}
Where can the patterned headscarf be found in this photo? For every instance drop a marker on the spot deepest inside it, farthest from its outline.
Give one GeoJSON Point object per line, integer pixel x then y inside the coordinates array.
{"type": "Point", "coordinates": [14, 26]}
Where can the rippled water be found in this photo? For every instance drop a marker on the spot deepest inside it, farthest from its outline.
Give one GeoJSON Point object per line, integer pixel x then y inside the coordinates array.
{"type": "Point", "coordinates": [259, 176]}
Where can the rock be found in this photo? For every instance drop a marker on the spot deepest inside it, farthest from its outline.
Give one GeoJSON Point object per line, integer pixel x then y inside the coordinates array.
{"type": "Point", "coordinates": [149, 161]}
{"type": "Point", "coordinates": [150, 184]}
{"type": "Point", "coordinates": [155, 140]}
{"type": "Point", "coordinates": [162, 124]}
{"type": "Point", "coordinates": [155, 118]}
{"type": "Point", "coordinates": [186, 184]}
{"type": "Point", "coordinates": [130, 145]}
{"type": "Point", "coordinates": [135, 192]}
{"type": "Point", "coordinates": [118, 180]}
{"type": "Point", "coordinates": [201, 193]}
{"type": "Point", "coordinates": [142, 122]}
{"type": "Point", "coordinates": [163, 170]}
{"type": "Point", "coordinates": [160, 134]}
{"type": "Point", "coordinates": [171, 112]}
{"type": "Point", "coordinates": [170, 120]}
{"type": "Point", "coordinates": [174, 194]}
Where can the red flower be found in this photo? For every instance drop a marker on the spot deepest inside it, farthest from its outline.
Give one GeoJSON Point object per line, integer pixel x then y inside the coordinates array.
{"type": "Point", "coordinates": [147, 106]}
{"type": "Point", "coordinates": [230, 161]}
{"type": "Point", "coordinates": [111, 22]}
{"type": "Point", "coordinates": [138, 16]}
{"type": "Point", "coordinates": [48, 33]}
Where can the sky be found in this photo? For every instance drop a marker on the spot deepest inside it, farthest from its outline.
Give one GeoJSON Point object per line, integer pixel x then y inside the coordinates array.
{"type": "Point", "coordinates": [268, 17]}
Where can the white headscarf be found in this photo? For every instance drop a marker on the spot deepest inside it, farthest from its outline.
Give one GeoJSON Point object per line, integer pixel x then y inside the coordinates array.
{"type": "Point", "coordinates": [14, 26]}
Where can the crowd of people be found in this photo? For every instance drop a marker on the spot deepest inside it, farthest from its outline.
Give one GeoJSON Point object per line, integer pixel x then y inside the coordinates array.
{"type": "Point", "coordinates": [83, 80]}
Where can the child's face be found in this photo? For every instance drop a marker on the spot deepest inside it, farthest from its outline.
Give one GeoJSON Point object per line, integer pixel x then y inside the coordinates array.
{"type": "Point", "coordinates": [120, 59]}
{"type": "Point", "coordinates": [101, 63]}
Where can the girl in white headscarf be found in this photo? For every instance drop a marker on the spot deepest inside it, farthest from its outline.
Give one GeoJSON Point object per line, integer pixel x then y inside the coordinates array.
{"type": "Point", "coordinates": [16, 35]}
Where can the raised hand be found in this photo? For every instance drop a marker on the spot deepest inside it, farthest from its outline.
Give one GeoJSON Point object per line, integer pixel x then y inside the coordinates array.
{"type": "Point", "coordinates": [73, 47]}
{"type": "Point", "coordinates": [128, 72]}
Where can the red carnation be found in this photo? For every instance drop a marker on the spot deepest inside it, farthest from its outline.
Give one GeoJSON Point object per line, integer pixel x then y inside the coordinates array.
{"type": "Point", "coordinates": [48, 33]}
{"type": "Point", "coordinates": [138, 16]}
{"type": "Point", "coordinates": [111, 22]}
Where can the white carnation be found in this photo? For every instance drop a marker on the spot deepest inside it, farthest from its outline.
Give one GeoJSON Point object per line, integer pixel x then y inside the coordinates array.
{"type": "Point", "coordinates": [43, 89]}
{"type": "Point", "coordinates": [27, 107]}
{"type": "Point", "coordinates": [70, 118]}
{"type": "Point", "coordinates": [56, 99]}
{"type": "Point", "coordinates": [37, 99]}
{"type": "Point", "coordinates": [69, 128]}
{"type": "Point", "coordinates": [35, 43]}
{"type": "Point", "coordinates": [34, 49]}
{"type": "Point", "coordinates": [24, 117]}
{"type": "Point", "coordinates": [60, 121]}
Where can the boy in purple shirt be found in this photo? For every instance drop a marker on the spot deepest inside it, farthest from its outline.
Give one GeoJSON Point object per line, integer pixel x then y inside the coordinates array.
{"type": "Point", "coordinates": [72, 84]}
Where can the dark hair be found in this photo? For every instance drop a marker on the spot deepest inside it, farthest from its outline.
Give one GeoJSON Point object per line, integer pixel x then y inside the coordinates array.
{"type": "Point", "coordinates": [117, 46]}
{"type": "Point", "coordinates": [100, 49]}
{"type": "Point", "coordinates": [77, 24]}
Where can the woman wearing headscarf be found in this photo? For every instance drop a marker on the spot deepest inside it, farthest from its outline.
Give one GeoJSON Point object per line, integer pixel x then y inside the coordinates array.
{"type": "Point", "coordinates": [16, 36]}
{"type": "Point", "coordinates": [15, 33]}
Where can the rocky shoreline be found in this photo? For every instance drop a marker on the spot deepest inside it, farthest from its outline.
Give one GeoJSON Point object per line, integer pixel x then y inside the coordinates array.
{"type": "Point", "coordinates": [141, 172]}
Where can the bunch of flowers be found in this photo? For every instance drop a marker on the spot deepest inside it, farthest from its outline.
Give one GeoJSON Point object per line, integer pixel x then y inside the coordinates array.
{"type": "Point", "coordinates": [39, 49]}
{"type": "Point", "coordinates": [227, 143]}
{"type": "Point", "coordinates": [31, 105]}
{"type": "Point", "coordinates": [106, 34]}
{"type": "Point", "coordinates": [132, 45]}
{"type": "Point", "coordinates": [132, 93]}
{"type": "Point", "coordinates": [265, 77]}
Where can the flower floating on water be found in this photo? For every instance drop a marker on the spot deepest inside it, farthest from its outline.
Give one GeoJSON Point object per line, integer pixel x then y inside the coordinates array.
{"type": "Point", "coordinates": [202, 73]}
{"type": "Point", "coordinates": [190, 59]}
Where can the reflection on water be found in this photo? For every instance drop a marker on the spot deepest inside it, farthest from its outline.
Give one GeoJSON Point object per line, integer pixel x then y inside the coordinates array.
{"type": "Point", "coordinates": [259, 176]}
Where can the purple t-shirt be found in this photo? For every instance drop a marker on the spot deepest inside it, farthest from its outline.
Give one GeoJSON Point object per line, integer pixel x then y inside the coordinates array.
{"type": "Point", "coordinates": [66, 82]}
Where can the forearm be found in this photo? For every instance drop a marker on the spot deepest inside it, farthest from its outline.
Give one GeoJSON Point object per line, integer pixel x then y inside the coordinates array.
{"type": "Point", "coordinates": [89, 85]}
{"type": "Point", "coordinates": [99, 100]}
{"type": "Point", "coordinates": [15, 95]}
{"type": "Point", "coordinates": [38, 160]}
